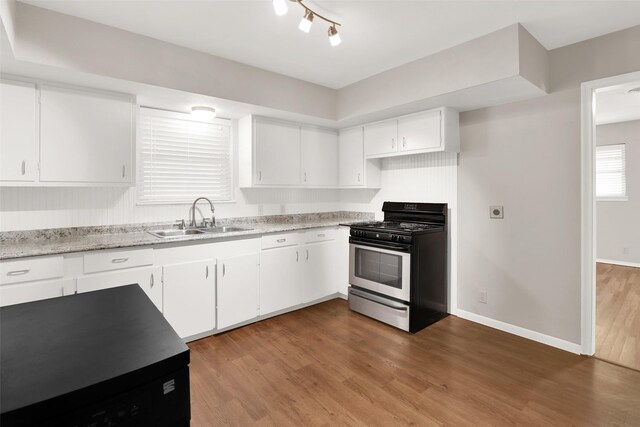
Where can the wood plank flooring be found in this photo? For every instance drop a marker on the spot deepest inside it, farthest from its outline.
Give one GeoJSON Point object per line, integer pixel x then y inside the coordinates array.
{"type": "Point", "coordinates": [618, 314]}
{"type": "Point", "coordinates": [325, 365]}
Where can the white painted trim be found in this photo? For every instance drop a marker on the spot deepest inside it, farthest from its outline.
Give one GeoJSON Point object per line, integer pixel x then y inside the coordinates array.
{"type": "Point", "coordinates": [588, 211]}
{"type": "Point", "coordinates": [521, 332]}
{"type": "Point", "coordinates": [615, 262]}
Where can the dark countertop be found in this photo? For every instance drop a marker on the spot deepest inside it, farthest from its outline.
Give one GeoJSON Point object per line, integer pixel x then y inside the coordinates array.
{"type": "Point", "coordinates": [55, 353]}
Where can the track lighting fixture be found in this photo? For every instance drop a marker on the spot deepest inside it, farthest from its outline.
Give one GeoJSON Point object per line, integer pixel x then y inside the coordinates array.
{"type": "Point", "coordinates": [280, 8]}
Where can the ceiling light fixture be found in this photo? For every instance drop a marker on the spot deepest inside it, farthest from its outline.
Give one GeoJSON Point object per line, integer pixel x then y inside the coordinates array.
{"type": "Point", "coordinates": [305, 24]}
{"type": "Point", "coordinates": [280, 7]}
{"type": "Point", "coordinates": [203, 113]}
{"type": "Point", "coordinates": [634, 90]}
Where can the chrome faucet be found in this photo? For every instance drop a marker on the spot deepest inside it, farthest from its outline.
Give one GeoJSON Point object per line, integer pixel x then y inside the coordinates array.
{"type": "Point", "coordinates": [204, 221]}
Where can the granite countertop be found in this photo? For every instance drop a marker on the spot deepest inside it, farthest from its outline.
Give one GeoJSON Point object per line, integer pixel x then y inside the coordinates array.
{"type": "Point", "coordinates": [20, 244]}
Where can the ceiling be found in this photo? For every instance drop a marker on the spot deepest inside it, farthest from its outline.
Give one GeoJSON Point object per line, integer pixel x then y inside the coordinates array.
{"type": "Point", "coordinates": [615, 104]}
{"type": "Point", "coordinates": [376, 35]}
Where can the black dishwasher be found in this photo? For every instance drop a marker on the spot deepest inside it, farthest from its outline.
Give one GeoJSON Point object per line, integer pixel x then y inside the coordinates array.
{"type": "Point", "coordinates": [104, 358]}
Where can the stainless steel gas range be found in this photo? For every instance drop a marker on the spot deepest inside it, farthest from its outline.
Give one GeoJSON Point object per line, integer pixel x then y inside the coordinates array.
{"type": "Point", "coordinates": [398, 267]}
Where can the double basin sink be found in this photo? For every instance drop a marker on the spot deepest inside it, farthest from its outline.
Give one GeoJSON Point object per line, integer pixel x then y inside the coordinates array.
{"type": "Point", "coordinates": [165, 234]}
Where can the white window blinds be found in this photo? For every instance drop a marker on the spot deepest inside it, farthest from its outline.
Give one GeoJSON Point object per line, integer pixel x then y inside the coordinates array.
{"type": "Point", "coordinates": [181, 159]}
{"type": "Point", "coordinates": [610, 172]}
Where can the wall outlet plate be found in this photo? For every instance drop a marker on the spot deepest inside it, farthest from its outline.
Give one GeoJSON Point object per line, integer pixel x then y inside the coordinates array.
{"type": "Point", "coordinates": [483, 297]}
{"type": "Point", "coordinates": [496, 212]}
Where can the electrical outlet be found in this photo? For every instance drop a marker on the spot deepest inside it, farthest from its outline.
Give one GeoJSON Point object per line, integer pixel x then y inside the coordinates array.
{"type": "Point", "coordinates": [483, 297]}
{"type": "Point", "coordinates": [625, 251]}
{"type": "Point", "coordinates": [496, 212]}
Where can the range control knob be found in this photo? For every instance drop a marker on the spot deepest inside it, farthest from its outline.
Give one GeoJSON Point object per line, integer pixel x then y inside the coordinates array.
{"type": "Point", "coordinates": [394, 237]}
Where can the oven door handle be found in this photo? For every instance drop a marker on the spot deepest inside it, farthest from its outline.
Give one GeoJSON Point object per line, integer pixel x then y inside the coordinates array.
{"type": "Point", "coordinates": [372, 298]}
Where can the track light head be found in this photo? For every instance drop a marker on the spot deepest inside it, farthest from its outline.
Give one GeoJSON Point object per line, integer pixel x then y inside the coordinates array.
{"type": "Point", "coordinates": [280, 7]}
{"type": "Point", "coordinates": [307, 20]}
{"type": "Point", "coordinates": [334, 37]}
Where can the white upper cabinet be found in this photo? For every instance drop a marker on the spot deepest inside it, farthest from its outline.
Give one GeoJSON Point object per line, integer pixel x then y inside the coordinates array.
{"type": "Point", "coordinates": [274, 153]}
{"type": "Point", "coordinates": [424, 132]}
{"type": "Point", "coordinates": [85, 137]}
{"type": "Point", "coordinates": [380, 138]}
{"type": "Point", "coordinates": [351, 158]}
{"type": "Point", "coordinates": [319, 149]}
{"type": "Point", "coordinates": [420, 131]}
{"type": "Point", "coordinates": [18, 132]}
{"type": "Point", "coordinates": [277, 154]}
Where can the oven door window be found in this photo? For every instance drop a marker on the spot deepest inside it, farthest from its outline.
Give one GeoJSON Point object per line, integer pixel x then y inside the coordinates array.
{"type": "Point", "coordinates": [378, 267]}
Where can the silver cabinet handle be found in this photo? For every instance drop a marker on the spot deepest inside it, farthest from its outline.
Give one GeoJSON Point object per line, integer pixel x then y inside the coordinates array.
{"type": "Point", "coordinates": [305, 177]}
{"type": "Point", "coordinates": [393, 143]}
{"type": "Point", "coordinates": [206, 273]}
{"type": "Point", "coordinates": [281, 240]}
{"type": "Point", "coordinates": [61, 291]}
{"type": "Point", "coordinates": [358, 176]}
{"type": "Point", "coordinates": [404, 142]}
{"type": "Point", "coordinates": [321, 235]}
{"type": "Point", "coordinates": [151, 280]}
{"type": "Point", "coordinates": [119, 260]}
{"type": "Point", "coordinates": [17, 272]}
{"type": "Point", "coordinates": [224, 270]}
{"type": "Point", "coordinates": [123, 169]}
{"type": "Point", "coordinates": [24, 167]}
{"type": "Point", "coordinates": [297, 256]}
{"type": "Point", "coordinates": [259, 175]}
{"type": "Point", "coordinates": [307, 254]}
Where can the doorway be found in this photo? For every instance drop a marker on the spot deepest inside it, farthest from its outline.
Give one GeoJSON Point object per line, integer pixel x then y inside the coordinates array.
{"type": "Point", "coordinates": [610, 229]}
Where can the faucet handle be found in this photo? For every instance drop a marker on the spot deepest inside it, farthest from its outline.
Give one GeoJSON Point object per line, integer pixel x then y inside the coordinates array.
{"type": "Point", "coordinates": [205, 222]}
{"type": "Point", "coordinates": [181, 225]}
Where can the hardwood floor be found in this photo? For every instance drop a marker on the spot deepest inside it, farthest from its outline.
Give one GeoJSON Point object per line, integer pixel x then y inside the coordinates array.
{"type": "Point", "coordinates": [326, 365]}
{"type": "Point", "coordinates": [618, 314]}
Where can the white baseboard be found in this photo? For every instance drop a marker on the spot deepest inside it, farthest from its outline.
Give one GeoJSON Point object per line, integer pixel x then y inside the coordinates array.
{"type": "Point", "coordinates": [521, 332]}
{"type": "Point", "coordinates": [623, 263]}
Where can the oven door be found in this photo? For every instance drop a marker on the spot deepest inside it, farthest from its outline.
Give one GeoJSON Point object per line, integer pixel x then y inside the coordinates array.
{"type": "Point", "coordinates": [383, 270]}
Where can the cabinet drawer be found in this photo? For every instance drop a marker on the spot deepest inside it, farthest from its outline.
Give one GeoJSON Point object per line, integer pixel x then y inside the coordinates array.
{"type": "Point", "coordinates": [26, 270]}
{"type": "Point", "coordinates": [117, 260]}
{"type": "Point", "coordinates": [280, 240]}
{"type": "Point", "coordinates": [319, 235]}
{"type": "Point", "coordinates": [27, 292]}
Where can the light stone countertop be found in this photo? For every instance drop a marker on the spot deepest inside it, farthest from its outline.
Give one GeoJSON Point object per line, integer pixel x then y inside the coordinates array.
{"type": "Point", "coordinates": [21, 244]}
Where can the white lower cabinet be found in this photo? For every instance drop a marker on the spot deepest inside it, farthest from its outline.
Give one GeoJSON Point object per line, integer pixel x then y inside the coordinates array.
{"type": "Point", "coordinates": [34, 291]}
{"type": "Point", "coordinates": [148, 278]}
{"type": "Point", "coordinates": [238, 289]}
{"type": "Point", "coordinates": [189, 297]}
{"type": "Point", "coordinates": [279, 279]}
{"type": "Point", "coordinates": [318, 270]}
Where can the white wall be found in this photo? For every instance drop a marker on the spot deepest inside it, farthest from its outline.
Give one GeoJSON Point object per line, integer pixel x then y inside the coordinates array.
{"type": "Point", "coordinates": [618, 223]}
{"type": "Point", "coordinates": [414, 178]}
{"type": "Point", "coordinates": [526, 156]}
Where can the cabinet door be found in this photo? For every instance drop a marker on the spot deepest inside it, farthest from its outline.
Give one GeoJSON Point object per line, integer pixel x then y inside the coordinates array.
{"type": "Point", "coordinates": [18, 131]}
{"type": "Point", "coordinates": [189, 297]}
{"type": "Point", "coordinates": [85, 137]}
{"type": "Point", "coordinates": [35, 291]}
{"type": "Point", "coordinates": [277, 148]}
{"type": "Point", "coordinates": [279, 277]}
{"type": "Point", "coordinates": [149, 279]}
{"type": "Point", "coordinates": [319, 157]}
{"type": "Point", "coordinates": [351, 158]}
{"type": "Point", "coordinates": [381, 138]}
{"type": "Point", "coordinates": [419, 131]}
{"type": "Point", "coordinates": [318, 270]}
{"type": "Point", "coordinates": [238, 289]}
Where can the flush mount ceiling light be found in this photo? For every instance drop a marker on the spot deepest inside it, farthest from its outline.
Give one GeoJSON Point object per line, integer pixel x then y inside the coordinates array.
{"type": "Point", "coordinates": [280, 7]}
{"type": "Point", "coordinates": [634, 90]}
{"type": "Point", "coordinates": [203, 113]}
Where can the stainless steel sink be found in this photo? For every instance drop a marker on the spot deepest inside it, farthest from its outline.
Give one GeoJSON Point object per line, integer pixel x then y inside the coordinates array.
{"type": "Point", "coordinates": [225, 229]}
{"type": "Point", "coordinates": [165, 234]}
